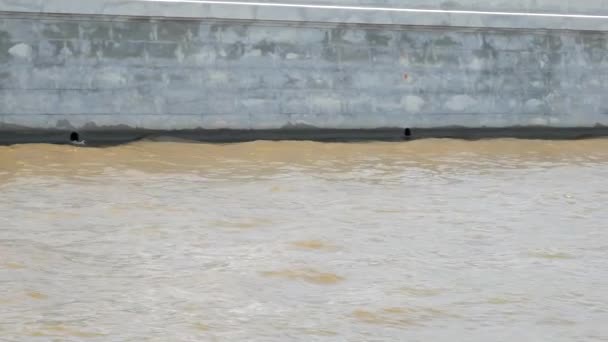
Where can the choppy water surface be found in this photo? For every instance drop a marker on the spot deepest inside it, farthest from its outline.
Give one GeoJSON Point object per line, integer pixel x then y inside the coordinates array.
{"type": "Point", "coordinates": [434, 240]}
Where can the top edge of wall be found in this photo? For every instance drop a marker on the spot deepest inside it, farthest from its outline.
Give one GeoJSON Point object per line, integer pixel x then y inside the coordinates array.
{"type": "Point", "coordinates": [516, 14]}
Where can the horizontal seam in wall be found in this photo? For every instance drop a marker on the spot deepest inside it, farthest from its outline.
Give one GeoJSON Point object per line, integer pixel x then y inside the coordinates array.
{"type": "Point", "coordinates": [277, 23]}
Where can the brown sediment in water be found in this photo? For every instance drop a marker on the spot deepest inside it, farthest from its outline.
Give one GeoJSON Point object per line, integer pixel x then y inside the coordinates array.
{"type": "Point", "coordinates": [407, 219]}
{"type": "Point", "coordinates": [242, 223]}
{"type": "Point", "coordinates": [308, 275]}
{"type": "Point", "coordinates": [37, 295]}
{"type": "Point", "coordinates": [58, 330]}
{"type": "Point", "coordinates": [504, 300]}
{"type": "Point", "coordinates": [419, 291]}
{"type": "Point", "coordinates": [313, 245]}
{"type": "Point", "coordinates": [14, 266]}
{"type": "Point", "coordinates": [201, 327]}
{"type": "Point", "coordinates": [398, 316]}
{"type": "Point", "coordinates": [263, 157]}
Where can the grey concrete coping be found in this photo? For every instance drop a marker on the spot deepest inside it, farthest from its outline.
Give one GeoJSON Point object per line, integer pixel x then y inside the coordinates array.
{"type": "Point", "coordinates": [591, 7]}
{"type": "Point", "coordinates": [327, 12]}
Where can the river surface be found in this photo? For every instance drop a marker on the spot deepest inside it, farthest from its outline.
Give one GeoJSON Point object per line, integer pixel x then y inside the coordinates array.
{"type": "Point", "coordinates": [430, 240]}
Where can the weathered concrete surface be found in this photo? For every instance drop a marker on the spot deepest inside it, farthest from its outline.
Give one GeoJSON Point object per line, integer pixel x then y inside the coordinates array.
{"type": "Point", "coordinates": [533, 14]}
{"type": "Point", "coordinates": [576, 7]}
{"type": "Point", "coordinates": [589, 7]}
{"type": "Point", "coordinates": [104, 72]}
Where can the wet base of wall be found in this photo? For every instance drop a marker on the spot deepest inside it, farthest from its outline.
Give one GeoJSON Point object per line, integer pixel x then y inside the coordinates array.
{"type": "Point", "coordinates": [122, 136]}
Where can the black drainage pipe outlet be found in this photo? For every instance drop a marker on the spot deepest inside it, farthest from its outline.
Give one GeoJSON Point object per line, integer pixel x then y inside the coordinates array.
{"type": "Point", "coordinates": [74, 137]}
{"type": "Point", "coordinates": [407, 133]}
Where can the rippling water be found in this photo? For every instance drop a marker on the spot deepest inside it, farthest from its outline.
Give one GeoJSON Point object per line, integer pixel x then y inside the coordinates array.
{"type": "Point", "coordinates": [433, 240]}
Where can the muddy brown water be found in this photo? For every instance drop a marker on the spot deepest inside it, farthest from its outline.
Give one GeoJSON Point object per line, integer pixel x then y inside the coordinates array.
{"type": "Point", "coordinates": [429, 240]}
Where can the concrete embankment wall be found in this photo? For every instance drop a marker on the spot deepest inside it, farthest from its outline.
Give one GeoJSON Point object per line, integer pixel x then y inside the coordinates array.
{"type": "Point", "coordinates": [161, 65]}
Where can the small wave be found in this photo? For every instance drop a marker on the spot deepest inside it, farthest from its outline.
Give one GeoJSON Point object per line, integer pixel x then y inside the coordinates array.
{"type": "Point", "coordinates": [548, 254]}
{"type": "Point", "coordinates": [308, 275]}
